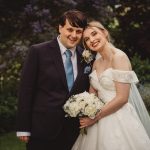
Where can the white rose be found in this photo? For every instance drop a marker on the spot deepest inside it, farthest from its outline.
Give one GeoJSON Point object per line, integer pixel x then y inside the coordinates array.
{"type": "Point", "coordinates": [90, 111]}
{"type": "Point", "coordinates": [74, 109]}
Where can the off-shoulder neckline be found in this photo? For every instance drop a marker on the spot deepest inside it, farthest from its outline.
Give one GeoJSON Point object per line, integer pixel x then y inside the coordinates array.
{"type": "Point", "coordinates": [110, 68]}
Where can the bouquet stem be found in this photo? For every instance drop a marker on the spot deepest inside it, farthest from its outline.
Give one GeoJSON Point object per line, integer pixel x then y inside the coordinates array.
{"type": "Point", "coordinates": [83, 131]}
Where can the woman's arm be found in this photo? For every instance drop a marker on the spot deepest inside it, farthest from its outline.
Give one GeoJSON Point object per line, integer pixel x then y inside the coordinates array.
{"type": "Point", "coordinates": [121, 98]}
{"type": "Point", "coordinates": [92, 90]}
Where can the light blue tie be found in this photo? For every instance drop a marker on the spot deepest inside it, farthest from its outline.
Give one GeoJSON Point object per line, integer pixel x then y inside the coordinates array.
{"type": "Point", "coordinates": [69, 69]}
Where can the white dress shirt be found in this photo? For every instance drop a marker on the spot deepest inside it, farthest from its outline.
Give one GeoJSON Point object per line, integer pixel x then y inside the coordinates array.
{"type": "Point", "coordinates": [73, 57]}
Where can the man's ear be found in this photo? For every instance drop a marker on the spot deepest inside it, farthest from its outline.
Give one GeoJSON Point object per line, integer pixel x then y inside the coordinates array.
{"type": "Point", "coordinates": [59, 28]}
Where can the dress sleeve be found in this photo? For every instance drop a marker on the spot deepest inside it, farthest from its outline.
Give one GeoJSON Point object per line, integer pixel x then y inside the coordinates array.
{"type": "Point", "coordinates": [124, 76]}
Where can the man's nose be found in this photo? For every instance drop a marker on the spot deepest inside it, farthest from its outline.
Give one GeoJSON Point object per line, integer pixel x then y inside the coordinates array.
{"type": "Point", "coordinates": [74, 34]}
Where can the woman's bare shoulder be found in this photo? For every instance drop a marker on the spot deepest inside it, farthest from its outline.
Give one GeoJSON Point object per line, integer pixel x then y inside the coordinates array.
{"type": "Point", "coordinates": [120, 60]}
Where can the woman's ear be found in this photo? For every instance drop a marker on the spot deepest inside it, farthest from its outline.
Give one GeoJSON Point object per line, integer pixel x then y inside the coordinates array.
{"type": "Point", "coordinates": [106, 34]}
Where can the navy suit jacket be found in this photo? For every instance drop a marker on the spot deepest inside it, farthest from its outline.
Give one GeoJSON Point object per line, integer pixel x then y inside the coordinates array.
{"type": "Point", "coordinates": [43, 91]}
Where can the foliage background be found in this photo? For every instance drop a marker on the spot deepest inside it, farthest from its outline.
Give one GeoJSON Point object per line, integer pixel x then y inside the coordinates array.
{"type": "Point", "coordinates": [26, 22]}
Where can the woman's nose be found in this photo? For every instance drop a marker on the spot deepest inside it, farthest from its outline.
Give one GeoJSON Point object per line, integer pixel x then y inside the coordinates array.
{"type": "Point", "coordinates": [91, 39]}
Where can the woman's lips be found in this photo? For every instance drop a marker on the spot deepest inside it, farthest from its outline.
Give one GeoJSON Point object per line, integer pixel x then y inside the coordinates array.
{"type": "Point", "coordinates": [95, 43]}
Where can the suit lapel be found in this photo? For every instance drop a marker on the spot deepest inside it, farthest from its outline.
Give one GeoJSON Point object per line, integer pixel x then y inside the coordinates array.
{"type": "Point", "coordinates": [59, 62]}
{"type": "Point", "coordinates": [60, 66]}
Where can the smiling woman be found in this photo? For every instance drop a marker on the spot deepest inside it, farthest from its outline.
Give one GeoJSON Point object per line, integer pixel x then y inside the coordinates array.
{"type": "Point", "coordinates": [117, 125]}
{"type": "Point", "coordinates": [95, 36]}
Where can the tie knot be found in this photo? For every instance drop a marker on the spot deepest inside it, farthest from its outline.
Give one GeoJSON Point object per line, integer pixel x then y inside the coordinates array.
{"type": "Point", "coordinates": [68, 53]}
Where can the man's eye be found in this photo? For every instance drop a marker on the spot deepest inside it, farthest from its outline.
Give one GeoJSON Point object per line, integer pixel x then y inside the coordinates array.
{"type": "Point", "coordinates": [79, 32]}
{"type": "Point", "coordinates": [70, 30]}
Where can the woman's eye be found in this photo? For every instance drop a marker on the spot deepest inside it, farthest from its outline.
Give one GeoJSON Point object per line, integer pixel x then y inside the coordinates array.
{"type": "Point", "coordinates": [94, 33]}
{"type": "Point", "coordinates": [86, 39]}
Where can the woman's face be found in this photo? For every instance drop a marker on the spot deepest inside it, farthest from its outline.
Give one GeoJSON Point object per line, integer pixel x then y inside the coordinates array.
{"type": "Point", "coordinates": [94, 38]}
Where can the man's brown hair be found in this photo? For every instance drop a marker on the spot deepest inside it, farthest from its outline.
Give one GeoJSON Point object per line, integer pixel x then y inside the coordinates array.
{"type": "Point", "coordinates": [75, 18]}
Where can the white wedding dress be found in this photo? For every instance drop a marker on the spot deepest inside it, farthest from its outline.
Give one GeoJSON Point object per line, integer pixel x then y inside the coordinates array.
{"type": "Point", "coordinates": [121, 130]}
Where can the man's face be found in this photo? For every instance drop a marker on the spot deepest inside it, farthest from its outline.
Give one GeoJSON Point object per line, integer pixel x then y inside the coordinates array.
{"type": "Point", "coordinates": [70, 36]}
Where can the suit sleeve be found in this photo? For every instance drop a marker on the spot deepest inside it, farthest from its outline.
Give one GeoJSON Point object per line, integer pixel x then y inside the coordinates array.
{"type": "Point", "coordinates": [27, 91]}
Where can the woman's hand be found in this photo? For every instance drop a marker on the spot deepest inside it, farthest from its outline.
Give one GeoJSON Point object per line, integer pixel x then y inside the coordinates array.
{"type": "Point", "coordinates": [86, 121]}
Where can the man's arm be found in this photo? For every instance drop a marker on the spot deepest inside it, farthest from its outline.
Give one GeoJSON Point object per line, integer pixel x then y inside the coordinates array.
{"type": "Point", "coordinates": [26, 93]}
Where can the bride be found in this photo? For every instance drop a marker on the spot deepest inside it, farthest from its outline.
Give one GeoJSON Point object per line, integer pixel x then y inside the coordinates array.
{"type": "Point", "coordinates": [119, 125]}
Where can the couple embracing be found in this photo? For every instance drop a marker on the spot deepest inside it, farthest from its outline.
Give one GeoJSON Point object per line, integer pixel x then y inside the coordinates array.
{"type": "Point", "coordinates": [56, 70]}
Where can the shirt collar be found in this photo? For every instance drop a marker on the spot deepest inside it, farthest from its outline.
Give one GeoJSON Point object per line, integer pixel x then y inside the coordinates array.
{"type": "Point", "coordinates": [63, 48]}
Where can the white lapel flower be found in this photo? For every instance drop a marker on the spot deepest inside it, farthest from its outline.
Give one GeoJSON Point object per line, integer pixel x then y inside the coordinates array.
{"type": "Point", "coordinates": [87, 56]}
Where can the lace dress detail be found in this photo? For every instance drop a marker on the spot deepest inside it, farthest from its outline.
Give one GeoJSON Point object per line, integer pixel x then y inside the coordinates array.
{"type": "Point", "coordinates": [124, 76]}
{"type": "Point", "coordinates": [121, 130]}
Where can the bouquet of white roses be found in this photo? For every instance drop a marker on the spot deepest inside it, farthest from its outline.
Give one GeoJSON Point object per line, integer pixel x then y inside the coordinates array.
{"type": "Point", "coordinates": [83, 104]}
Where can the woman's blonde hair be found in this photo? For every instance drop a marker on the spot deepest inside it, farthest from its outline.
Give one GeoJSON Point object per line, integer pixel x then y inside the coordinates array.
{"type": "Point", "coordinates": [98, 25]}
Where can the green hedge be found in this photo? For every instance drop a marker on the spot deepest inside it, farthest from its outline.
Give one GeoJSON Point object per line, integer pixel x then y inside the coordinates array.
{"type": "Point", "coordinates": [9, 141]}
{"type": "Point", "coordinates": [7, 113]}
{"type": "Point", "coordinates": [142, 68]}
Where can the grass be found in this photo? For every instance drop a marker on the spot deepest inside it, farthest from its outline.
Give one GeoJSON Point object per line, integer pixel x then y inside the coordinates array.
{"type": "Point", "coordinates": [11, 142]}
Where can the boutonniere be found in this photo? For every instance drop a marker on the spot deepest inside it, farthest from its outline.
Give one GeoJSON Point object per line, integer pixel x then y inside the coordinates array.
{"type": "Point", "coordinates": [87, 56]}
{"type": "Point", "coordinates": [87, 69]}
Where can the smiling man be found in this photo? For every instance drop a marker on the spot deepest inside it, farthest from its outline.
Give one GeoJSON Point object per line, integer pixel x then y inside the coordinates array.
{"type": "Point", "coordinates": [70, 36]}
{"type": "Point", "coordinates": [52, 72]}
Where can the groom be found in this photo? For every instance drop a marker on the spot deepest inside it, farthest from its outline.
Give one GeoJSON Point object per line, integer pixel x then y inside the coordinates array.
{"type": "Point", "coordinates": [49, 77]}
